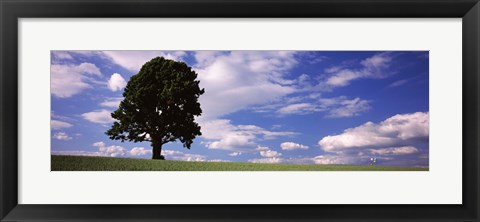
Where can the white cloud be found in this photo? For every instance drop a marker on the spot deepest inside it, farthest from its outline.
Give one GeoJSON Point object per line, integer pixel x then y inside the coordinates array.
{"type": "Point", "coordinates": [423, 156]}
{"type": "Point", "coordinates": [260, 148]}
{"type": "Point", "coordinates": [343, 77]}
{"type": "Point", "coordinates": [98, 144]}
{"type": "Point", "coordinates": [267, 160]}
{"type": "Point", "coordinates": [68, 80]}
{"type": "Point", "coordinates": [116, 82]}
{"type": "Point", "coordinates": [221, 134]}
{"type": "Point", "coordinates": [269, 156]}
{"type": "Point", "coordinates": [112, 151]}
{"type": "Point", "coordinates": [232, 142]}
{"type": "Point", "coordinates": [235, 154]}
{"type": "Point", "coordinates": [276, 126]}
{"type": "Point", "coordinates": [396, 131]}
{"type": "Point", "coordinates": [62, 136]}
{"type": "Point", "coordinates": [119, 151]}
{"type": "Point", "coordinates": [398, 83]}
{"type": "Point", "coordinates": [331, 159]}
{"type": "Point", "coordinates": [100, 116]}
{"type": "Point", "coordinates": [75, 153]}
{"type": "Point", "coordinates": [171, 152]}
{"type": "Point", "coordinates": [61, 55]}
{"type": "Point", "coordinates": [334, 69]}
{"type": "Point", "coordinates": [335, 107]}
{"type": "Point", "coordinates": [137, 152]}
{"type": "Point", "coordinates": [218, 160]}
{"type": "Point", "coordinates": [177, 155]}
{"type": "Point", "coordinates": [299, 108]}
{"type": "Point", "coordinates": [377, 62]}
{"type": "Point", "coordinates": [321, 159]}
{"type": "Point", "coordinates": [111, 102]}
{"type": "Point", "coordinates": [270, 153]}
{"type": "Point", "coordinates": [313, 57]}
{"type": "Point", "coordinates": [270, 135]}
{"type": "Point", "coordinates": [134, 60]}
{"type": "Point", "coordinates": [57, 124]}
{"type": "Point", "coordinates": [395, 150]}
{"type": "Point", "coordinates": [233, 81]}
{"type": "Point", "coordinates": [373, 67]}
{"type": "Point", "coordinates": [348, 108]}
{"type": "Point", "coordinates": [140, 151]}
{"type": "Point", "coordinates": [206, 58]}
{"type": "Point", "coordinates": [239, 79]}
{"type": "Point", "coordinates": [292, 146]}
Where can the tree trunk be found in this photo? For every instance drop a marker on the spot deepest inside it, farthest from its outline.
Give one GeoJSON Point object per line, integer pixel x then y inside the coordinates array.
{"type": "Point", "coordinates": [157, 151]}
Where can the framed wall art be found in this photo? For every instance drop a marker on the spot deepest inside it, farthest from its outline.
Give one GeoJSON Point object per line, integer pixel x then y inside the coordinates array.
{"type": "Point", "coordinates": [239, 110]}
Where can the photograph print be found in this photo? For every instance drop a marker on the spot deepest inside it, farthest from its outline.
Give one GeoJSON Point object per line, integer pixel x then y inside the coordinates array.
{"type": "Point", "coordinates": [251, 110]}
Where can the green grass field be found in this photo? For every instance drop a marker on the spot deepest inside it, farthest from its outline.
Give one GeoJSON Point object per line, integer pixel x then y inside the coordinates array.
{"type": "Point", "coordinates": [83, 163]}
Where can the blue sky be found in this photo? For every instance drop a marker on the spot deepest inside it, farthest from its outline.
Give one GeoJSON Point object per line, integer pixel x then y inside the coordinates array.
{"type": "Point", "coordinates": [308, 107]}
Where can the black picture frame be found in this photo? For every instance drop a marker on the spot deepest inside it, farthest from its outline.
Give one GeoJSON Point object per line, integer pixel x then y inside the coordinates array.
{"type": "Point", "coordinates": [12, 10]}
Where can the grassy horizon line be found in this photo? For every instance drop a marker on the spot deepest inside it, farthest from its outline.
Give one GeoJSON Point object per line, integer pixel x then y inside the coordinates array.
{"type": "Point", "coordinates": [91, 163]}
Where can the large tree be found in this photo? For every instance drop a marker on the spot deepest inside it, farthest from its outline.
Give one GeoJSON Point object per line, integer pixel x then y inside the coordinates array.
{"type": "Point", "coordinates": [160, 104]}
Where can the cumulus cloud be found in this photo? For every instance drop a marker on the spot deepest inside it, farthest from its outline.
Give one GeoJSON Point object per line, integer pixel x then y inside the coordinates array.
{"type": "Point", "coordinates": [372, 67]}
{"type": "Point", "coordinates": [98, 144]}
{"type": "Point", "coordinates": [75, 153]}
{"type": "Point", "coordinates": [233, 142]}
{"type": "Point", "coordinates": [267, 160]}
{"type": "Point", "coordinates": [334, 159]}
{"type": "Point", "coordinates": [270, 153]}
{"type": "Point", "coordinates": [137, 152]}
{"type": "Point", "coordinates": [235, 154]}
{"type": "Point", "coordinates": [395, 150]}
{"type": "Point", "coordinates": [119, 151]}
{"type": "Point", "coordinates": [292, 146]}
{"type": "Point", "coordinates": [68, 79]}
{"type": "Point", "coordinates": [140, 151]}
{"type": "Point", "coordinates": [218, 160]}
{"type": "Point", "coordinates": [348, 108]}
{"type": "Point", "coordinates": [321, 159]}
{"type": "Point", "coordinates": [377, 62]}
{"type": "Point", "coordinates": [101, 116]}
{"type": "Point", "coordinates": [222, 134]}
{"type": "Point", "coordinates": [111, 102]}
{"type": "Point", "coordinates": [260, 148]}
{"type": "Point", "coordinates": [236, 80]}
{"type": "Point", "coordinates": [233, 80]}
{"type": "Point", "coordinates": [299, 108]}
{"type": "Point", "coordinates": [62, 136]}
{"type": "Point", "coordinates": [376, 66]}
{"type": "Point", "coordinates": [336, 107]}
{"type": "Point", "coordinates": [343, 77]}
{"type": "Point", "coordinates": [133, 60]}
{"type": "Point", "coordinates": [249, 77]}
{"type": "Point", "coordinates": [401, 130]}
{"type": "Point", "coordinates": [57, 124]}
{"type": "Point", "coordinates": [206, 58]}
{"type": "Point", "coordinates": [116, 82]}
{"type": "Point", "coordinates": [61, 55]}
{"type": "Point", "coordinates": [177, 155]}
{"type": "Point", "coordinates": [112, 151]}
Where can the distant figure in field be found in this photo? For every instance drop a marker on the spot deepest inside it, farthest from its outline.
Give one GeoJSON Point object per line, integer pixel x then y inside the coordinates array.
{"type": "Point", "coordinates": [373, 160]}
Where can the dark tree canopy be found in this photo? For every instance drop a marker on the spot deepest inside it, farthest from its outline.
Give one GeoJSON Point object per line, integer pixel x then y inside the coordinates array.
{"type": "Point", "coordinates": [159, 105]}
